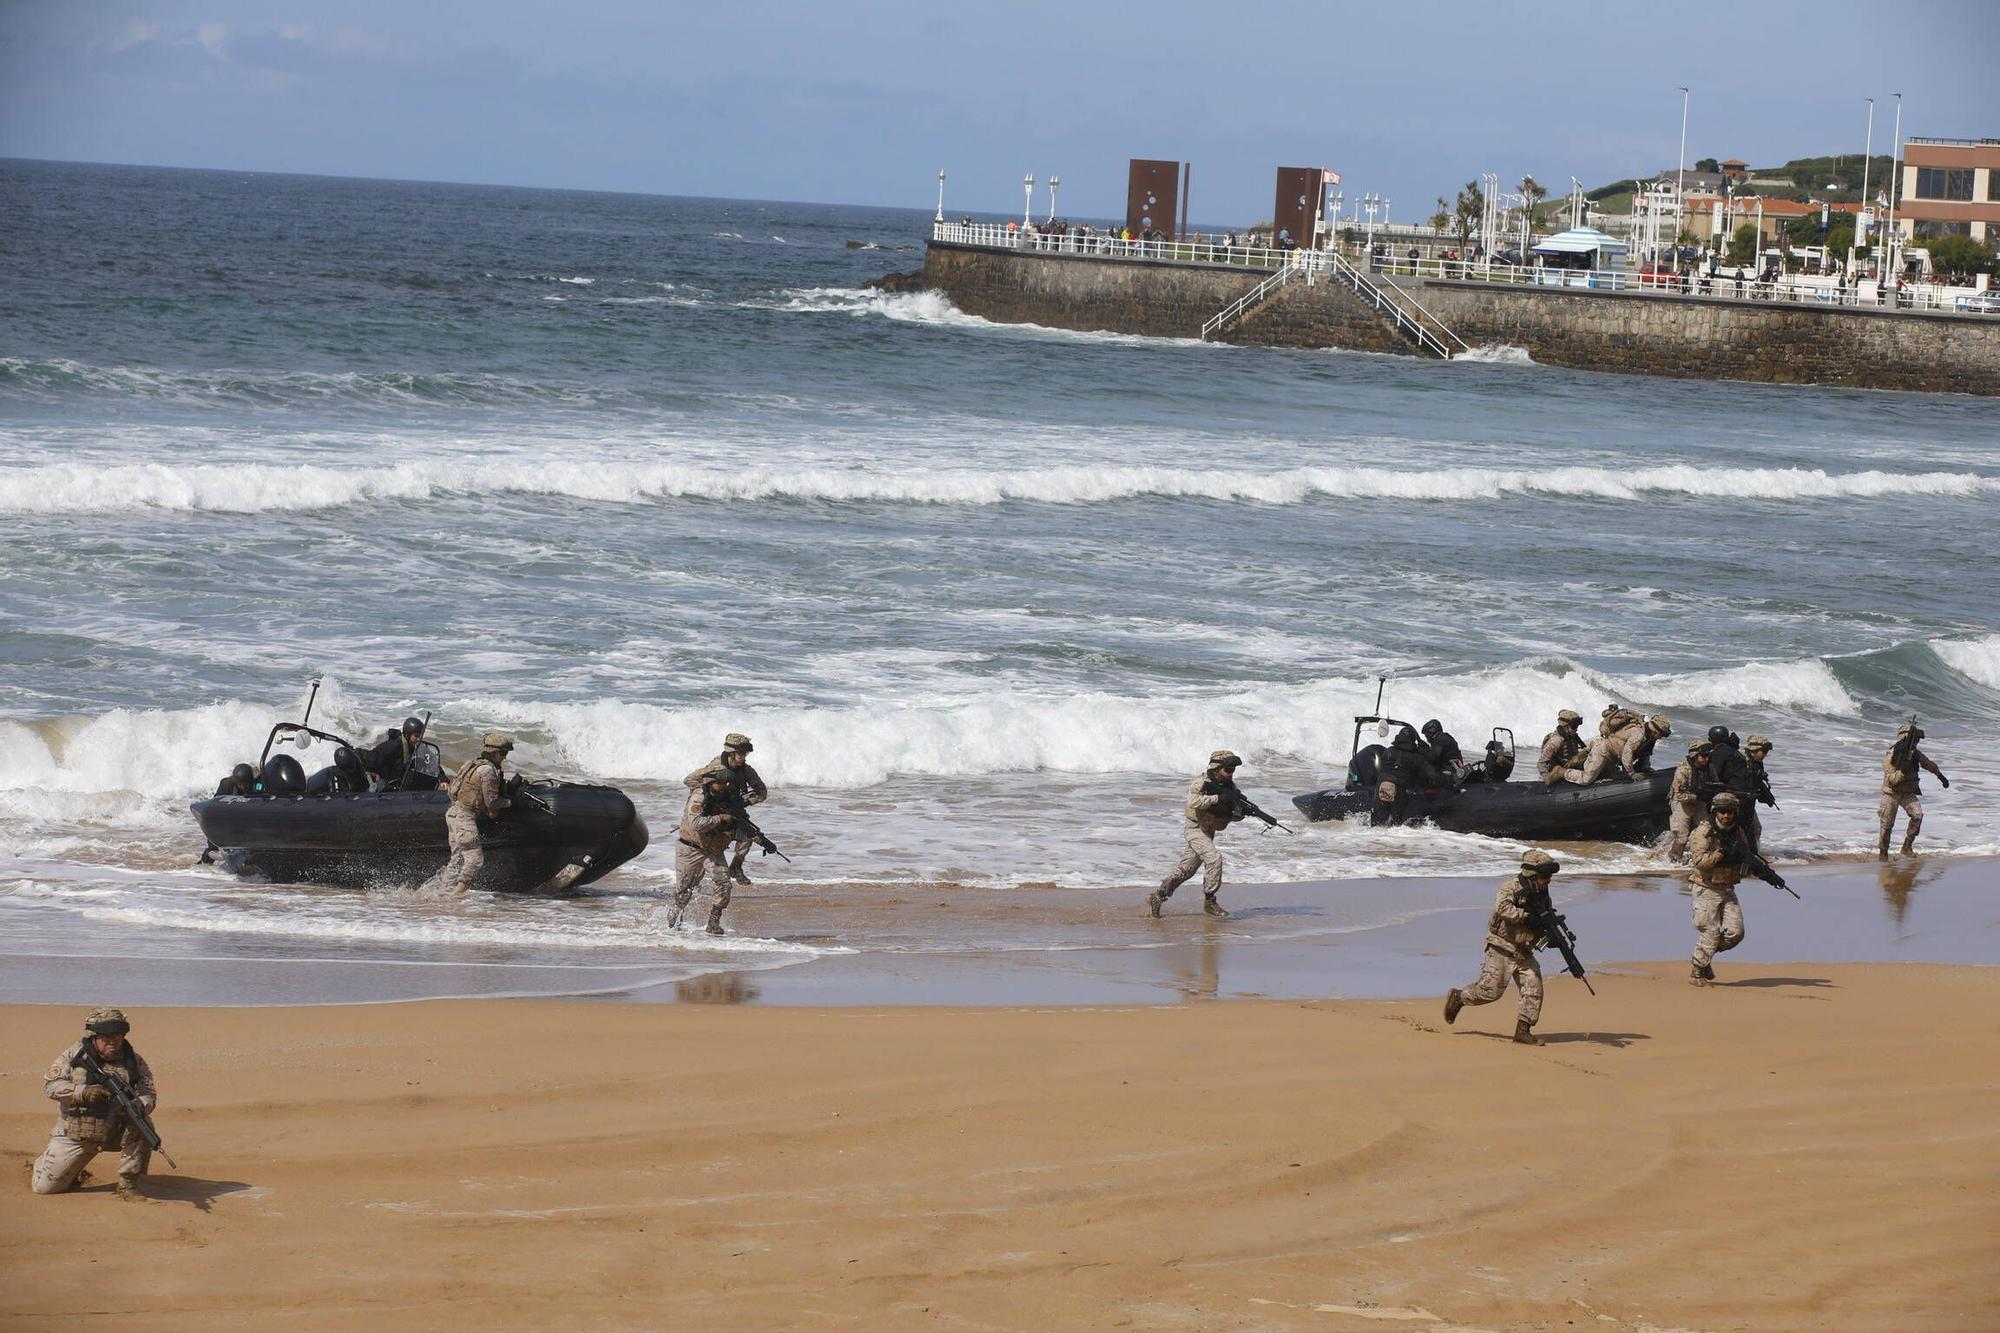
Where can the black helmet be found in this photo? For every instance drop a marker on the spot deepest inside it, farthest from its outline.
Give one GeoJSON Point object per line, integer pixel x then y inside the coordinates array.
{"type": "Point", "coordinates": [243, 773]}
{"type": "Point", "coordinates": [1406, 739]}
{"type": "Point", "coordinates": [411, 724]}
{"type": "Point", "coordinates": [345, 759]}
{"type": "Point", "coordinates": [1433, 727]}
{"type": "Point", "coordinates": [1718, 735]}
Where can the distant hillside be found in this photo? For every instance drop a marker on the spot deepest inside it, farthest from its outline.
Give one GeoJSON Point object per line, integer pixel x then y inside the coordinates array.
{"type": "Point", "coordinates": [1836, 178]}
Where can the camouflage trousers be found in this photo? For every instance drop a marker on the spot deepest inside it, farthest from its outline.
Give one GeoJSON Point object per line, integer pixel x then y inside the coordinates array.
{"type": "Point", "coordinates": [1566, 775]}
{"type": "Point", "coordinates": [64, 1159]}
{"type": "Point", "coordinates": [1494, 970]}
{"type": "Point", "coordinates": [1597, 761]}
{"type": "Point", "coordinates": [690, 864]}
{"type": "Point", "coordinates": [1685, 817]}
{"type": "Point", "coordinates": [1885, 815]}
{"type": "Point", "coordinates": [1201, 855]}
{"type": "Point", "coordinates": [1718, 923]}
{"type": "Point", "coordinates": [468, 858]}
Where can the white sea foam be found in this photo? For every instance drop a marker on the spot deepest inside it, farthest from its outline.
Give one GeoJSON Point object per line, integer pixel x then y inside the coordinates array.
{"type": "Point", "coordinates": [1975, 659]}
{"type": "Point", "coordinates": [83, 488]}
{"type": "Point", "coordinates": [1499, 354]}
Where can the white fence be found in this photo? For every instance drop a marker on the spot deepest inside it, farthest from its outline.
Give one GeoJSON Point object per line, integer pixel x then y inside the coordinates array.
{"type": "Point", "coordinates": [1796, 289]}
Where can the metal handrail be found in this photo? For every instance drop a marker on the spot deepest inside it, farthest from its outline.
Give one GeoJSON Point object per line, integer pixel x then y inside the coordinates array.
{"type": "Point", "coordinates": [1257, 295]}
{"type": "Point", "coordinates": [1404, 319]}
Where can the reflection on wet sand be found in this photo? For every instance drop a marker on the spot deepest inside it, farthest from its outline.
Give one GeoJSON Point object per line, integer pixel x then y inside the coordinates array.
{"type": "Point", "coordinates": [1900, 878]}
{"type": "Point", "coordinates": [718, 988]}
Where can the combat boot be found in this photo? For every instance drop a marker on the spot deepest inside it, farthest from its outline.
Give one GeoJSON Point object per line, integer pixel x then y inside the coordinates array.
{"type": "Point", "coordinates": [714, 926]}
{"type": "Point", "coordinates": [1882, 847]}
{"type": "Point", "coordinates": [736, 869]}
{"type": "Point", "coordinates": [1700, 974]}
{"type": "Point", "coordinates": [1212, 907]}
{"type": "Point", "coordinates": [680, 910]}
{"type": "Point", "coordinates": [1909, 844]}
{"type": "Point", "coordinates": [1454, 1001]}
{"type": "Point", "coordinates": [128, 1188]}
{"type": "Point", "coordinates": [1524, 1033]}
{"type": "Point", "coordinates": [1153, 901]}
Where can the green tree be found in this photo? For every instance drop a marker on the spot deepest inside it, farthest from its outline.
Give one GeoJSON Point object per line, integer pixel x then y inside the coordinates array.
{"type": "Point", "coordinates": [1743, 245]}
{"type": "Point", "coordinates": [1708, 164]}
{"type": "Point", "coordinates": [1959, 254]}
{"type": "Point", "coordinates": [1803, 230]}
{"type": "Point", "coordinates": [1532, 194]}
{"type": "Point", "coordinates": [1838, 238]}
{"type": "Point", "coordinates": [1467, 213]}
{"type": "Point", "coordinates": [1442, 218]}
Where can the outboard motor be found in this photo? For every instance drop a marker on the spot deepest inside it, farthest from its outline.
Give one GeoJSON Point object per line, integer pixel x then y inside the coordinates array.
{"type": "Point", "coordinates": [283, 776]}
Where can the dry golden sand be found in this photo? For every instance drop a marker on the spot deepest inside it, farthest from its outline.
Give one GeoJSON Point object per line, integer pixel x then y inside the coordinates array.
{"type": "Point", "coordinates": [1806, 1147]}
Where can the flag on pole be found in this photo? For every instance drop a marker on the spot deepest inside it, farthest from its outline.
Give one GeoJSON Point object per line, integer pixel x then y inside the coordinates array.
{"type": "Point", "coordinates": [1328, 176]}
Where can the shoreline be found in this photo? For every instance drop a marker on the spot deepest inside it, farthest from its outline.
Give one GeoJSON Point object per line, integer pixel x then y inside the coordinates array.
{"type": "Point", "coordinates": [929, 946]}
{"type": "Point", "coordinates": [1254, 1165]}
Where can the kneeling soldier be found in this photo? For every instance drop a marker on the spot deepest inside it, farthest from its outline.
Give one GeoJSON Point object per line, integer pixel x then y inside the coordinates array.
{"type": "Point", "coordinates": [91, 1119]}
{"type": "Point", "coordinates": [1511, 937]}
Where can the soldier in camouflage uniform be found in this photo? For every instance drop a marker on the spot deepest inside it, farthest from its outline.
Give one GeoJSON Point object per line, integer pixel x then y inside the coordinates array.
{"type": "Point", "coordinates": [1510, 949]}
{"type": "Point", "coordinates": [1615, 719]}
{"type": "Point", "coordinates": [750, 789]}
{"type": "Point", "coordinates": [1562, 751]}
{"type": "Point", "coordinates": [1901, 787]}
{"type": "Point", "coordinates": [1719, 851]}
{"type": "Point", "coordinates": [478, 795]}
{"type": "Point", "coordinates": [1205, 814]}
{"type": "Point", "coordinates": [1686, 805]}
{"type": "Point", "coordinates": [705, 834]}
{"type": "Point", "coordinates": [1755, 750]}
{"type": "Point", "coordinates": [1630, 746]}
{"type": "Point", "coordinates": [91, 1121]}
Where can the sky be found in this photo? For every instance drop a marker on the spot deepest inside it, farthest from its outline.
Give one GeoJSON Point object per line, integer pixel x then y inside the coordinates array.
{"type": "Point", "coordinates": [865, 103]}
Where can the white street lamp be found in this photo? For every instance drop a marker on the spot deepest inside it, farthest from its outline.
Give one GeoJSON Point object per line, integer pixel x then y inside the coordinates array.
{"type": "Point", "coordinates": [1895, 175]}
{"type": "Point", "coordinates": [1054, 183]}
{"type": "Point", "coordinates": [940, 212]}
{"type": "Point", "coordinates": [1028, 202]}
{"type": "Point", "coordinates": [1867, 153]}
{"type": "Point", "coordinates": [1680, 180]}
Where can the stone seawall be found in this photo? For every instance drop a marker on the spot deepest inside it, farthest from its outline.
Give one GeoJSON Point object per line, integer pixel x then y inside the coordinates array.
{"type": "Point", "coordinates": [1688, 337]}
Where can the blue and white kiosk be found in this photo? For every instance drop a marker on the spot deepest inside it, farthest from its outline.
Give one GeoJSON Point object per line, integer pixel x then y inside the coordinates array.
{"type": "Point", "coordinates": [1581, 257]}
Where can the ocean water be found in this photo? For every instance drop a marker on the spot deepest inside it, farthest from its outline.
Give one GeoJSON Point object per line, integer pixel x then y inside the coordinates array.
{"type": "Point", "coordinates": [624, 473]}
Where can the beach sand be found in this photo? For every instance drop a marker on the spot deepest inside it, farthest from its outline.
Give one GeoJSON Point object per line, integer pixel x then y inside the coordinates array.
{"type": "Point", "coordinates": [1804, 1146]}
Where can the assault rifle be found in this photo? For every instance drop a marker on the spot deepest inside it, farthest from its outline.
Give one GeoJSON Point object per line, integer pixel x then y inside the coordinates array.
{"type": "Point", "coordinates": [1544, 917]}
{"type": "Point", "coordinates": [127, 1103]}
{"type": "Point", "coordinates": [731, 803]}
{"type": "Point", "coordinates": [1761, 868]}
{"type": "Point", "coordinates": [1236, 803]}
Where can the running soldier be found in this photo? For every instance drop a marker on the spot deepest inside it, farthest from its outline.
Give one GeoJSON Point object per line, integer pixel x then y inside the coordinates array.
{"type": "Point", "coordinates": [478, 795]}
{"type": "Point", "coordinates": [707, 829]}
{"type": "Point", "coordinates": [1687, 799]}
{"type": "Point", "coordinates": [1720, 853]}
{"type": "Point", "coordinates": [1755, 751]}
{"type": "Point", "coordinates": [91, 1121]}
{"type": "Point", "coordinates": [1511, 937]}
{"type": "Point", "coordinates": [1562, 751]}
{"type": "Point", "coordinates": [750, 790]}
{"type": "Point", "coordinates": [1630, 746]}
{"type": "Point", "coordinates": [1901, 787]}
{"type": "Point", "coordinates": [1212, 806]}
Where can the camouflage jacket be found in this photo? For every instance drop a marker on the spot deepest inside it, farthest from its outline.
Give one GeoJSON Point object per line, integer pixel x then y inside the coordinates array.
{"type": "Point", "coordinates": [710, 833]}
{"type": "Point", "coordinates": [1510, 928]}
{"type": "Point", "coordinates": [1688, 779]}
{"type": "Point", "coordinates": [749, 787]}
{"type": "Point", "coordinates": [1616, 719]}
{"type": "Point", "coordinates": [1717, 856]}
{"type": "Point", "coordinates": [1632, 746]}
{"type": "Point", "coordinates": [1560, 750]}
{"type": "Point", "coordinates": [1905, 781]}
{"type": "Point", "coordinates": [1209, 813]}
{"type": "Point", "coordinates": [103, 1123]}
{"type": "Point", "coordinates": [476, 786]}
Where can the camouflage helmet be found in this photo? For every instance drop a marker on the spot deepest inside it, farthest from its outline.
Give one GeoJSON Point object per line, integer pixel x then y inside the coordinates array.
{"type": "Point", "coordinates": [1726, 801]}
{"type": "Point", "coordinates": [497, 740]}
{"type": "Point", "coordinates": [737, 741]}
{"type": "Point", "coordinates": [1659, 726]}
{"type": "Point", "coordinates": [1224, 759]}
{"type": "Point", "coordinates": [107, 1023]}
{"type": "Point", "coordinates": [1702, 748]}
{"type": "Point", "coordinates": [1538, 862]}
{"type": "Point", "coordinates": [1758, 743]}
{"type": "Point", "coordinates": [1569, 715]}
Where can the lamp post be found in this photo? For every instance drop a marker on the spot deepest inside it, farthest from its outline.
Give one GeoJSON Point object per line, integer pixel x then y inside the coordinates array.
{"type": "Point", "coordinates": [1028, 202]}
{"type": "Point", "coordinates": [1680, 180]}
{"type": "Point", "coordinates": [1895, 174]}
{"type": "Point", "coordinates": [1055, 183]}
{"type": "Point", "coordinates": [940, 212]}
{"type": "Point", "coordinates": [1867, 152]}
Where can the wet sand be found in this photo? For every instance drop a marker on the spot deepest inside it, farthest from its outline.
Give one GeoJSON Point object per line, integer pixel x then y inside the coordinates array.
{"type": "Point", "coordinates": [1802, 1146]}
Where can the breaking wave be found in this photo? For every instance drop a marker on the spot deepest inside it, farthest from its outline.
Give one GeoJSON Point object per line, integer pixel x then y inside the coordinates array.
{"type": "Point", "coordinates": [63, 380]}
{"type": "Point", "coordinates": [255, 488]}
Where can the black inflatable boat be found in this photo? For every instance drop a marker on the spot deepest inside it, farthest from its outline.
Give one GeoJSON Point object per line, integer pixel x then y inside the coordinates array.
{"type": "Point", "coordinates": [558, 835]}
{"type": "Point", "coordinates": [1614, 809]}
